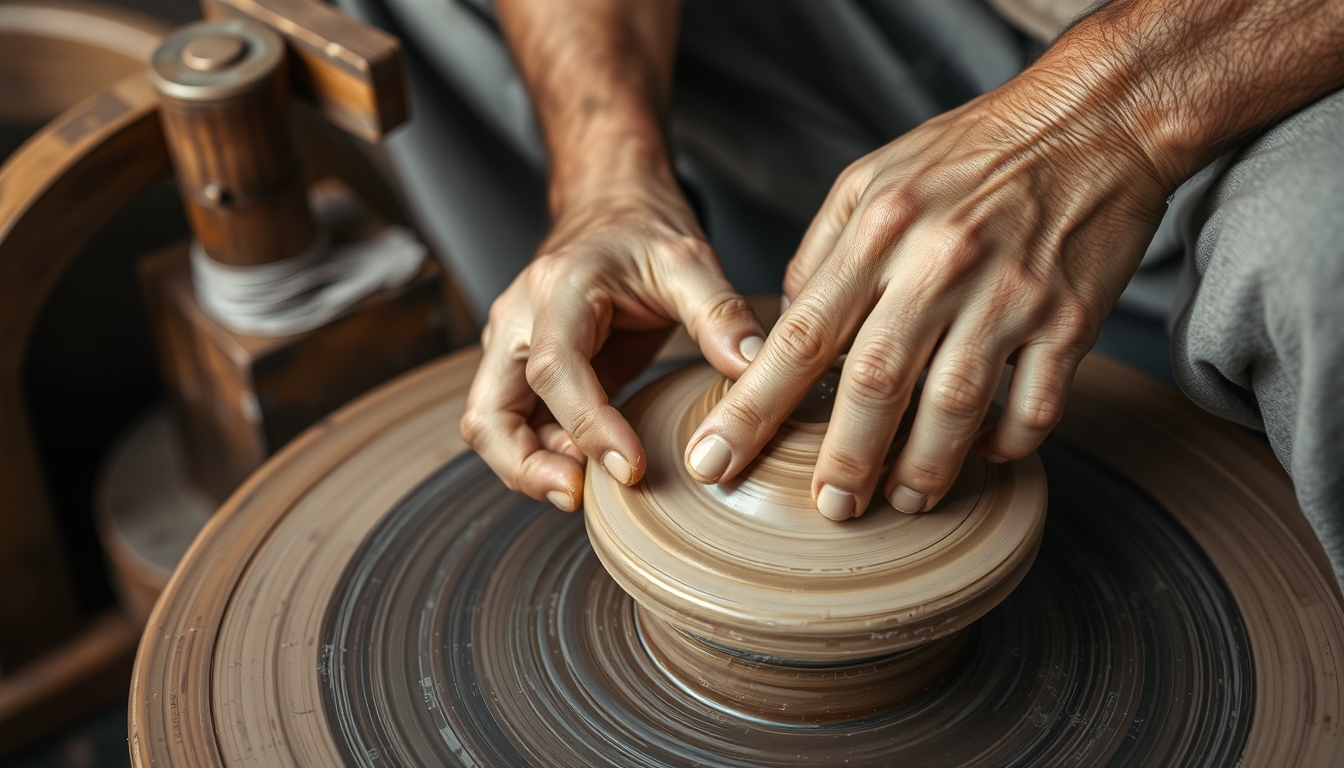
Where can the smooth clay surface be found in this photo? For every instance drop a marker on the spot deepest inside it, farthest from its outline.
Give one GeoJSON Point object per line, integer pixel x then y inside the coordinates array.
{"type": "Point", "coordinates": [373, 596]}
{"type": "Point", "coordinates": [751, 565]}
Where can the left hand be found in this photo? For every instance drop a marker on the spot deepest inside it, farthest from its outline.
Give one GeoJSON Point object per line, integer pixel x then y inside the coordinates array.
{"type": "Point", "coordinates": [616, 274]}
{"type": "Point", "coordinates": [999, 232]}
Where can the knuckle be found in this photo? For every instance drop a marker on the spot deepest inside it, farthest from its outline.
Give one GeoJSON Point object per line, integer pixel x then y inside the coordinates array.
{"type": "Point", "coordinates": [850, 174]}
{"type": "Point", "coordinates": [725, 307]}
{"type": "Point", "coordinates": [545, 368]}
{"type": "Point", "coordinates": [925, 474]}
{"type": "Point", "coordinates": [549, 272]}
{"type": "Point", "coordinates": [685, 249]}
{"type": "Point", "coordinates": [1039, 410]}
{"type": "Point", "coordinates": [955, 393]}
{"type": "Point", "coordinates": [1019, 287]}
{"type": "Point", "coordinates": [874, 376]}
{"type": "Point", "coordinates": [1073, 325]}
{"type": "Point", "coordinates": [1077, 348]}
{"type": "Point", "coordinates": [846, 466]}
{"type": "Point", "coordinates": [898, 203]}
{"type": "Point", "coordinates": [851, 181]}
{"type": "Point", "coordinates": [541, 273]}
{"type": "Point", "coordinates": [471, 427]}
{"type": "Point", "coordinates": [501, 311]}
{"type": "Point", "coordinates": [742, 410]}
{"type": "Point", "coordinates": [802, 335]}
{"type": "Point", "coordinates": [887, 212]}
{"type": "Point", "coordinates": [953, 249]}
{"type": "Point", "coordinates": [582, 424]}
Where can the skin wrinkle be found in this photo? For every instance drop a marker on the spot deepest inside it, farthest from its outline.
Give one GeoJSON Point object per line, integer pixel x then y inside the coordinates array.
{"type": "Point", "coordinates": [626, 258]}
{"type": "Point", "coordinates": [1013, 221]}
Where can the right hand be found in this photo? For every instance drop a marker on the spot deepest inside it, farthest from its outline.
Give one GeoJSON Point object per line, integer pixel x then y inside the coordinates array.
{"type": "Point", "coordinates": [615, 276]}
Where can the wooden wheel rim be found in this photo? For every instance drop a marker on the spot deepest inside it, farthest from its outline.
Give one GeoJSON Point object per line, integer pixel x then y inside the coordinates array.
{"type": "Point", "coordinates": [228, 670]}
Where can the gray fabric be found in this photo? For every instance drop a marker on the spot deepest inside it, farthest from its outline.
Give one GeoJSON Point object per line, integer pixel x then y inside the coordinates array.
{"type": "Point", "coordinates": [478, 196]}
{"type": "Point", "coordinates": [773, 99]}
{"type": "Point", "coordinates": [463, 45]}
{"type": "Point", "coordinates": [1260, 340]}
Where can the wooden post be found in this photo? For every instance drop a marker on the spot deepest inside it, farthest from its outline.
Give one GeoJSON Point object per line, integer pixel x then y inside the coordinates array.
{"type": "Point", "coordinates": [247, 204]}
{"type": "Point", "coordinates": [231, 133]}
{"type": "Point", "coordinates": [226, 116]}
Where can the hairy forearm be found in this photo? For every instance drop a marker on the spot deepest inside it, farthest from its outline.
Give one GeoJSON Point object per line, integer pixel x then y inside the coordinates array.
{"type": "Point", "coordinates": [600, 76]}
{"type": "Point", "coordinates": [1188, 78]}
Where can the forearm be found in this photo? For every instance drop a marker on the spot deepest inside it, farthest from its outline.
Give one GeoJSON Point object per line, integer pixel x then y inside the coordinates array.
{"type": "Point", "coordinates": [600, 76]}
{"type": "Point", "coordinates": [1186, 78]}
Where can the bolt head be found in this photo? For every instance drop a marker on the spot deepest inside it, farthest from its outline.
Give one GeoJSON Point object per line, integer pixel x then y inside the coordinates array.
{"type": "Point", "coordinates": [215, 194]}
{"type": "Point", "coordinates": [211, 53]}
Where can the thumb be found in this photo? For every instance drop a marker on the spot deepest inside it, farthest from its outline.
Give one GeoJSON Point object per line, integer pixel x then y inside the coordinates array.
{"type": "Point", "coordinates": [718, 318]}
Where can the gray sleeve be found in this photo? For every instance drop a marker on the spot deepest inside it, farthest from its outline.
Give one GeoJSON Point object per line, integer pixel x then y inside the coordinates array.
{"type": "Point", "coordinates": [1260, 340]}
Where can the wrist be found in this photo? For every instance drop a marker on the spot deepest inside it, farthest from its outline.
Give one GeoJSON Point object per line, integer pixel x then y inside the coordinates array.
{"type": "Point", "coordinates": [1117, 98]}
{"type": "Point", "coordinates": [609, 155]}
{"type": "Point", "coordinates": [644, 200]}
{"type": "Point", "coordinates": [622, 180]}
{"type": "Point", "coordinates": [1186, 79]}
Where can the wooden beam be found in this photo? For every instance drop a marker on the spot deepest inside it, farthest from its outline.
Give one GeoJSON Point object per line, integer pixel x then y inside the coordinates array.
{"type": "Point", "coordinates": [355, 73]}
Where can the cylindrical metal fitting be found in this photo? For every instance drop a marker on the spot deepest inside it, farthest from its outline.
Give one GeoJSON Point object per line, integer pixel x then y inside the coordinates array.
{"type": "Point", "coordinates": [226, 117]}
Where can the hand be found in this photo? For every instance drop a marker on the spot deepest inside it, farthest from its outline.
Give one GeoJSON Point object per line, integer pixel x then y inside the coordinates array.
{"type": "Point", "coordinates": [1003, 231]}
{"type": "Point", "coordinates": [615, 276]}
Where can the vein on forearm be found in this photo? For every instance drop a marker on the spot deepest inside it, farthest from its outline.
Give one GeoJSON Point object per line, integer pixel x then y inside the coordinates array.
{"type": "Point", "coordinates": [1191, 77]}
{"type": "Point", "coordinates": [600, 76]}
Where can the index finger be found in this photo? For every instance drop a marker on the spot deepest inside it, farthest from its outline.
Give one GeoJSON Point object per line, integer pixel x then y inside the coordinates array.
{"type": "Point", "coordinates": [496, 424]}
{"type": "Point", "coordinates": [565, 336]}
{"type": "Point", "coordinates": [803, 345]}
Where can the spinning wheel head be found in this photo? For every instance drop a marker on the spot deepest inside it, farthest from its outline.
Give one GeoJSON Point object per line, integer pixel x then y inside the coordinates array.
{"type": "Point", "coordinates": [751, 598]}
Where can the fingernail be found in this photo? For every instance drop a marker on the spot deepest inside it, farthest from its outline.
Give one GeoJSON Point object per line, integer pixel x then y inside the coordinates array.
{"type": "Point", "coordinates": [835, 503]}
{"type": "Point", "coordinates": [750, 346]}
{"type": "Point", "coordinates": [994, 458]}
{"type": "Point", "coordinates": [617, 467]}
{"type": "Point", "coordinates": [561, 500]}
{"type": "Point", "coordinates": [784, 303]}
{"type": "Point", "coordinates": [710, 457]}
{"type": "Point", "coordinates": [906, 500]}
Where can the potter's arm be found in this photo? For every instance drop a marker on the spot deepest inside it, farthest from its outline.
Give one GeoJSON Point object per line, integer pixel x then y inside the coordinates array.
{"type": "Point", "coordinates": [625, 260]}
{"type": "Point", "coordinates": [1006, 229]}
{"type": "Point", "coordinates": [600, 76]}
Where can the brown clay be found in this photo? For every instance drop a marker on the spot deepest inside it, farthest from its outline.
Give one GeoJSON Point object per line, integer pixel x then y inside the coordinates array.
{"type": "Point", "coordinates": [797, 693]}
{"type": "Point", "coordinates": [372, 596]}
{"type": "Point", "coordinates": [749, 568]}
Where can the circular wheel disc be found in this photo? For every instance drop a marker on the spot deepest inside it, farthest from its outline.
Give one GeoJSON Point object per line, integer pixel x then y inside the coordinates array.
{"type": "Point", "coordinates": [373, 596]}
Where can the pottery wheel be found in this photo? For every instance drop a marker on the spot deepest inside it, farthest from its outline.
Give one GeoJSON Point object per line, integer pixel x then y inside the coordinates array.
{"type": "Point", "coordinates": [375, 597]}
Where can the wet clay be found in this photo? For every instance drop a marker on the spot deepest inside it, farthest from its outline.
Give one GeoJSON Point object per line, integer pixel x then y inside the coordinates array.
{"type": "Point", "coordinates": [1120, 647]}
{"type": "Point", "coordinates": [753, 598]}
{"type": "Point", "coordinates": [793, 691]}
{"type": "Point", "coordinates": [373, 596]}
